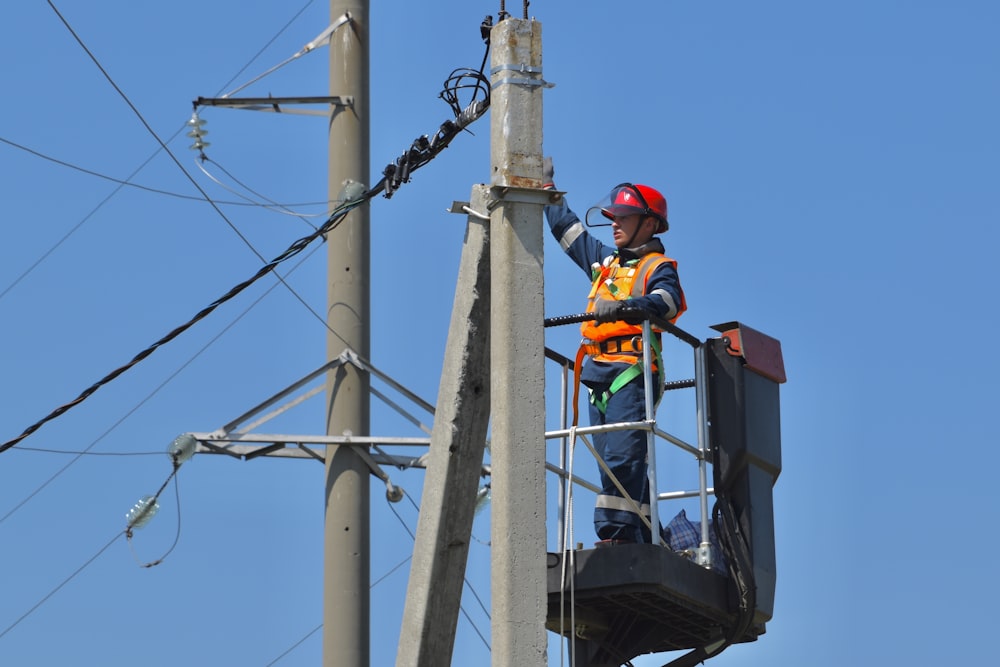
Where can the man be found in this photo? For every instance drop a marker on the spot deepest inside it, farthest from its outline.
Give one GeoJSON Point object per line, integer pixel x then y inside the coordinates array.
{"type": "Point", "coordinates": [630, 279]}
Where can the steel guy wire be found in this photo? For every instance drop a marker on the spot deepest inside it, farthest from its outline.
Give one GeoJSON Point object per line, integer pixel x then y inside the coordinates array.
{"type": "Point", "coordinates": [265, 47]}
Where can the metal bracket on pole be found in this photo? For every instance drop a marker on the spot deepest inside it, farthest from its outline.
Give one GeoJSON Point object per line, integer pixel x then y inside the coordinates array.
{"type": "Point", "coordinates": [274, 103]}
{"type": "Point", "coordinates": [512, 194]}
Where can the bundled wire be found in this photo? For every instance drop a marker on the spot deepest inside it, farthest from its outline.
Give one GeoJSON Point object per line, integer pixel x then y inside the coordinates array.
{"type": "Point", "coordinates": [424, 148]}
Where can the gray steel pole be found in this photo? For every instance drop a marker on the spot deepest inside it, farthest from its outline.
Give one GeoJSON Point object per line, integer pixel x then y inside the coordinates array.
{"type": "Point", "coordinates": [517, 348]}
{"type": "Point", "coordinates": [347, 543]}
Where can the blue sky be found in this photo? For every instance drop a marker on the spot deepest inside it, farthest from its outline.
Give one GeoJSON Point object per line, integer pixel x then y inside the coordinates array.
{"type": "Point", "coordinates": [831, 174]}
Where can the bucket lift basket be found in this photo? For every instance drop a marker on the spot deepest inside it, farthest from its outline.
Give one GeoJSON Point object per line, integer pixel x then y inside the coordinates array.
{"type": "Point", "coordinates": [632, 599]}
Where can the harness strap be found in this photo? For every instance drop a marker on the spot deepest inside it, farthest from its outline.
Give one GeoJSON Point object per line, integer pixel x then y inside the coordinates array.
{"type": "Point", "coordinates": [618, 345]}
{"type": "Point", "coordinates": [600, 401]}
{"type": "Point", "coordinates": [577, 365]}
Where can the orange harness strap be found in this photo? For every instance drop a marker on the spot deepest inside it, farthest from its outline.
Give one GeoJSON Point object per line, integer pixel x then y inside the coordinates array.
{"type": "Point", "coordinates": [580, 354]}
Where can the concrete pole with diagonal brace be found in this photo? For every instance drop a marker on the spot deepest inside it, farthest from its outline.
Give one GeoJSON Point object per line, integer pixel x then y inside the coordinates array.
{"type": "Point", "coordinates": [517, 347]}
{"type": "Point", "coordinates": [347, 531]}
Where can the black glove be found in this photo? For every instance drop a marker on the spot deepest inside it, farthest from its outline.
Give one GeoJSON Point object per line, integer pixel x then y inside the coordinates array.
{"type": "Point", "coordinates": [606, 310]}
{"type": "Point", "coordinates": [548, 172]}
{"type": "Point", "coordinates": [631, 313]}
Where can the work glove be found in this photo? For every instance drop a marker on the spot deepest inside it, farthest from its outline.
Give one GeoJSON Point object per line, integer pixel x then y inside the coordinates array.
{"type": "Point", "coordinates": [548, 173]}
{"type": "Point", "coordinates": [606, 310]}
{"type": "Point", "coordinates": [631, 313]}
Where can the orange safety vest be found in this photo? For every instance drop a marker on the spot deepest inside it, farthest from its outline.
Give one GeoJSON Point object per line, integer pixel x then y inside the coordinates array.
{"type": "Point", "coordinates": [615, 282]}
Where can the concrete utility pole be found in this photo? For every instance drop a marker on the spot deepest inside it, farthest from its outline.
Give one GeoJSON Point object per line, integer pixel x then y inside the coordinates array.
{"type": "Point", "coordinates": [347, 532]}
{"type": "Point", "coordinates": [517, 348]}
{"type": "Point", "coordinates": [455, 460]}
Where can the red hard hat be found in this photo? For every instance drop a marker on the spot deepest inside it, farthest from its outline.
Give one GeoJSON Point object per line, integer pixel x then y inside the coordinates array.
{"type": "Point", "coordinates": [629, 199]}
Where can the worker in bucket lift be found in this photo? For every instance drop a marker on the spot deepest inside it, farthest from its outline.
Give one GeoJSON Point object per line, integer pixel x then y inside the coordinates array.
{"type": "Point", "coordinates": [631, 279]}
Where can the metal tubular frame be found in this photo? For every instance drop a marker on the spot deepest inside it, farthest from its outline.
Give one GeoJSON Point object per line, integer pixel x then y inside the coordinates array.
{"type": "Point", "coordinates": [700, 451]}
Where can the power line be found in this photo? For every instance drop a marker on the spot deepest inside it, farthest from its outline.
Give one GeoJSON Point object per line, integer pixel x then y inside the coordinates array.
{"type": "Point", "coordinates": [320, 626]}
{"type": "Point", "coordinates": [139, 168]}
{"type": "Point", "coordinates": [421, 152]}
{"type": "Point", "coordinates": [127, 532]}
{"type": "Point", "coordinates": [64, 582]}
{"type": "Point", "coordinates": [271, 205]}
{"type": "Point", "coordinates": [295, 248]}
{"type": "Point", "coordinates": [128, 182]}
{"type": "Point", "coordinates": [149, 129]}
{"type": "Point", "coordinates": [149, 396]}
{"type": "Point", "coordinates": [85, 453]}
{"type": "Point", "coordinates": [142, 120]}
{"type": "Point", "coordinates": [468, 583]}
{"type": "Point", "coordinates": [386, 575]}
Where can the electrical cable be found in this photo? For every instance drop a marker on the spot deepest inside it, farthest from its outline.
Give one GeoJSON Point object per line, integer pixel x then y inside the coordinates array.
{"type": "Point", "coordinates": [128, 533]}
{"type": "Point", "coordinates": [177, 536]}
{"type": "Point", "coordinates": [425, 149]}
{"type": "Point", "coordinates": [421, 152]}
{"type": "Point", "coordinates": [295, 645]}
{"type": "Point", "coordinates": [145, 124]}
{"type": "Point", "coordinates": [148, 507]}
{"type": "Point", "coordinates": [167, 193]}
{"type": "Point", "coordinates": [83, 453]}
{"type": "Point", "coordinates": [149, 396]}
{"type": "Point", "coordinates": [339, 214]}
{"type": "Point", "coordinates": [320, 626]}
{"type": "Point", "coordinates": [446, 133]}
{"type": "Point", "coordinates": [64, 582]}
{"type": "Point", "coordinates": [271, 205]}
{"type": "Point", "coordinates": [149, 129]}
{"type": "Point", "coordinates": [138, 169]}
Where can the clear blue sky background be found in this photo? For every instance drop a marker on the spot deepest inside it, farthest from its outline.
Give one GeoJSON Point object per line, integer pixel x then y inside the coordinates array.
{"type": "Point", "coordinates": [832, 177]}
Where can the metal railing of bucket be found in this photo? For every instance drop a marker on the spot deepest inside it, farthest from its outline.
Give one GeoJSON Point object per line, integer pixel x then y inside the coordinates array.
{"type": "Point", "coordinates": [700, 452]}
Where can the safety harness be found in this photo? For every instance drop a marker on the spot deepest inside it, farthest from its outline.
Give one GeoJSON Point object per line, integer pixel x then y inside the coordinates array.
{"type": "Point", "coordinates": [617, 341]}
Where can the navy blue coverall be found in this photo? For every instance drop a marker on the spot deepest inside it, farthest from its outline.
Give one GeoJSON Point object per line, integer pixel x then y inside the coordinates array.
{"type": "Point", "coordinates": [623, 451]}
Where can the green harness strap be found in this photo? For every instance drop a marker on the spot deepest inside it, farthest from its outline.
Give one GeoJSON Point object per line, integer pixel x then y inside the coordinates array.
{"type": "Point", "coordinates": [600, 401]}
